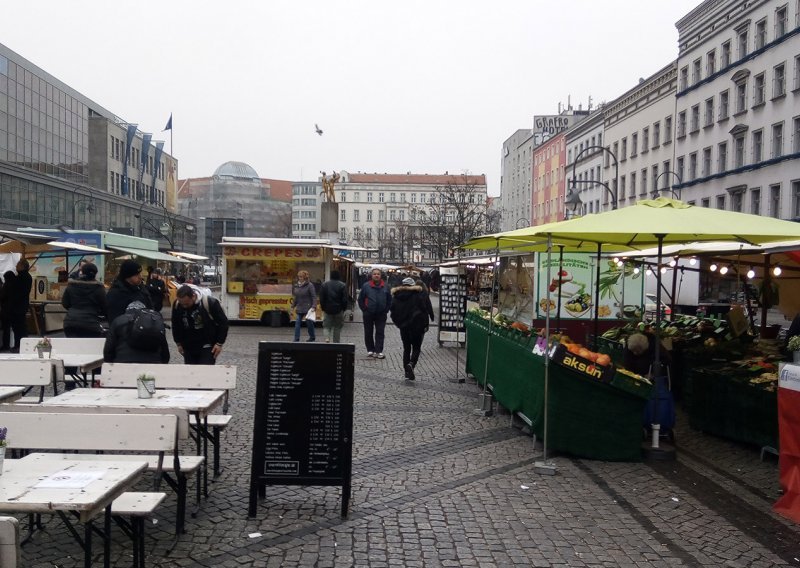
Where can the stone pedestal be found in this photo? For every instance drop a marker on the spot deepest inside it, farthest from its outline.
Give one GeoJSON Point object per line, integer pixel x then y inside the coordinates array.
{"type": "Point", "coordinates": [329, 218]}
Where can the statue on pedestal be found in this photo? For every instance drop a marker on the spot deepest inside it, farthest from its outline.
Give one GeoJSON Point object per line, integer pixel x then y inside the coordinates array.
{"type": "Point", "coordinates": [328, 183]}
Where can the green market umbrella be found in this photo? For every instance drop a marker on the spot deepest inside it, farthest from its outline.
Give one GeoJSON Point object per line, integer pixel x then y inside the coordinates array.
{"type": "Point", "coordinates": [648, 223]}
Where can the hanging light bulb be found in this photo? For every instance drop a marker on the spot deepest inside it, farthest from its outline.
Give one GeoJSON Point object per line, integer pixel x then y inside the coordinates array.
{"type": "Point", "coordinates": [663, 270]}
{"type": "Point", "coordinates": [693, 261]}
{"type": "Point", "coordinates": [616, 260]}
{"type": "Point", "coordinates": [672, 263]}
{"type": "Point", "coordinates": [723, 270]}
{"type": "Point", "coordinates": [713, 267]}
{"type": "Point", "coordinates": [777, 271]}
{"type": "Point", "coordinates": [636, 270]}
{"type": "Point", "coordinates": [751, 273]}
{"type": "Point", "coordinates": [620, 263]}
{"type": "Point", "coordinates": [649, 271]}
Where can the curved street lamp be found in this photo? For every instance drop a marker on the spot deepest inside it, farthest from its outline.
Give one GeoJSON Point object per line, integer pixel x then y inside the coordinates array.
{"type": "Point", "coordinates": [655, 193]}
{"type": "Point", "coordinates": [525, 223]}
{"type": "Point", "coordinates": [87, 208]}
{"type": "Point", "coordinates": [575, 200]}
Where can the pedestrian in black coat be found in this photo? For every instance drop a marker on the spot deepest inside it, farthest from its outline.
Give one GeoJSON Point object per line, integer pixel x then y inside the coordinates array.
{"type": "Point", "coordinates": [19, 302]}
{"type": "Point", "coordinates": [199, 326]}
{"type": "Point", "coordinates": [5, 311]}
{"type": "Point", "coordinates": [118, 348]}
{"type": "Point", "coordinates": [85, 301]}
{"type": "Point", "coordinates": [411, 308]}
{"type": "Point", "coordinates": [127, 288]}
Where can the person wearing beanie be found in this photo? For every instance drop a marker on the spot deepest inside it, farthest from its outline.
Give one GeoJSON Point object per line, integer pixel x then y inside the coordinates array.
{"type": "Point", "coordinates": [156, 288]}
{"type": "Point", "coordinates": [411, 308]}
{"type": "Point", "coordinates": [126, 288]}
{"type": "Point", "coordinates": [119, 348]}
{"type": "Point", "coordinates": [334, 301]}
{"type": "Point", "coordinates": [19, 302]}
{"type": "Point", "coordinates": [85, 301]}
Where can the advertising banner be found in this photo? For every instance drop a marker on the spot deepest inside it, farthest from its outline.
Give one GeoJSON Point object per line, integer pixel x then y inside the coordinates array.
{"type": "Point", "coordinates": [620, 288]}
{"type": "Point", "coordinates": [251, 307]}
{"type": "Point", "coordinates": [789, 431]}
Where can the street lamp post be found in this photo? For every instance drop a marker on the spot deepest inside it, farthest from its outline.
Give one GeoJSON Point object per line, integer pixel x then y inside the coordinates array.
{"type": "Point", "coordinates": [525, 223]}
{"type": "Point", "coordinates": [574, 199]}
{"type": "Point", "coordinates": [654, 194]}
{"type": "Point", "coordinates": [88, 208]}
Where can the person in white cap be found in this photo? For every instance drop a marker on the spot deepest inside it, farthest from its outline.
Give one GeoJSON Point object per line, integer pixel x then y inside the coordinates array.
{"type": "Point", "coordinates": [411, 308]}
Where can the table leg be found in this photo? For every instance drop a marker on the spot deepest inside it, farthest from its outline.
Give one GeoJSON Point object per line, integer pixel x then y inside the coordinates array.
{"type": "Point", "coordinates": [87, 544]}
{"type": "Point", "coordinates": [107, 538]}
{"type": "Point", "coordinates": [205, 455]}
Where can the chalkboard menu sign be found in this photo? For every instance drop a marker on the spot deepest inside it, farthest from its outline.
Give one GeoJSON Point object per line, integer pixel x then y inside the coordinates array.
{"type": "Point", "coordinates": [452, 304]}
{"type": "Point", "coordinates": [303, 428]}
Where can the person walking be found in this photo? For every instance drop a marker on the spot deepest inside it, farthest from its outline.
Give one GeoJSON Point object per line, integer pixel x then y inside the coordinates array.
{"type": "Point", "coordinates": [126, 288]}
{"type": "Point", "coordinates": [156, 288]}
{"type": "Point", "coordinates": [375, 301]}
{"type": "Point", "coordinates": [411, 308]}
{"type": "Point", "coordinates": [120, 347]}
{"type": "Point", "coordinates": [85, 301]}
{"type": "Point", "coordinates": [19, 302]}
{"type": "Point", "coordinates": [199, 326]}
{"type": "Point", "coordinates": [5, 309]}
{"type": "Point", "coordinates": [333, 301]}
{"type": "Point", "coordinates": [304, 299]}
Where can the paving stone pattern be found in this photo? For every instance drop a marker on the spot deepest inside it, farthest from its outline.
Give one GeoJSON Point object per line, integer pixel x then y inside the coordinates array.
{"type": "Point", "coordinates": [436, 484]}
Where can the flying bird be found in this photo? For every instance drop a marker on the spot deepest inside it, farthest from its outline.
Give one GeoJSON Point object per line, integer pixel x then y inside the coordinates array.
{"type": "Point", "coordinates": [318, 129]}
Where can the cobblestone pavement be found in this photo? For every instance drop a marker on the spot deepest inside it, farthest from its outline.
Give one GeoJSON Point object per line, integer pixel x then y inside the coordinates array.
{"type": "Point", "coordinates": [435, 484]}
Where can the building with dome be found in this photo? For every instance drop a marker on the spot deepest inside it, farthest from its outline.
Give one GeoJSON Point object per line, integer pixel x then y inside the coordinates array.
{"type": "Point", "coordinates": [235, 201]}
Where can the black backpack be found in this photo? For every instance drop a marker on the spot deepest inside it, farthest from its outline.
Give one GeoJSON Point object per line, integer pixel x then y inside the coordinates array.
{"type": "Point", "coordinates": [147, 330]}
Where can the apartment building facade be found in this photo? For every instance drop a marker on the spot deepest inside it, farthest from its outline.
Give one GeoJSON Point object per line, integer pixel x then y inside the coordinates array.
{"type": "Point", "coordinates": [516, 182]}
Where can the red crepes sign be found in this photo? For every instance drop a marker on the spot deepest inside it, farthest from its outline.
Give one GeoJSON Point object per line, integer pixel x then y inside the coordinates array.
{"type": "Point", "coordinates": [789, 435]}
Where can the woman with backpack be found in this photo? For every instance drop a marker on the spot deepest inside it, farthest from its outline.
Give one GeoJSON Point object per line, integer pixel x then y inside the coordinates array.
{"type": "Point", "coordinates": [85, 301]}
{"type": "Point", "coordinates": [411, 308]}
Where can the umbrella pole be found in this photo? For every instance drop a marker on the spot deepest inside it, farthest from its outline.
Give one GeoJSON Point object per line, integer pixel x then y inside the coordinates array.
{"type": "Point", "coordinates": [766, 295]}
{"type": "Point", "coordinates": [560, 282]}
{"type": "Point", "coordinates": [596, 340]}
{"type": "Point", "coordinates": [483, 409]}
{"type": "Point", "coordinates": [674, 288]}
{"type": "Point", "coordinates": [544, 467]}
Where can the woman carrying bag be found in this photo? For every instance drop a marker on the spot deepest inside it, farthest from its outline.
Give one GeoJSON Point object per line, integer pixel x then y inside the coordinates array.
{"type": "Point", "coordinates": [304, 301]}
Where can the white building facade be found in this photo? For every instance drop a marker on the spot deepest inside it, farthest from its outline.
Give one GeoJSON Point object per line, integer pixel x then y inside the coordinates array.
{"type": "Point", "coordinates": [639, 131]}
{"type": "Point", "coordinates": [738, 106]}
{"type": "Point", "coordinates": [585, 161]}
{"type": "Point", "coordinates": [517, 180]}
{"type": "Point", "coordinates": [306, 209]}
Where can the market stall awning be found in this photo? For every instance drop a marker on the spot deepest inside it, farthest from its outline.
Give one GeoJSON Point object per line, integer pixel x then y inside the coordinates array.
{"type": "Point", "coordinates": [25, 238]}
{"type": "Point", "coordinates": [144, 253]}
{"type": "Point", "coordinates": [187, 255]}
{"type": "Point", "coordinates": [78, 248]}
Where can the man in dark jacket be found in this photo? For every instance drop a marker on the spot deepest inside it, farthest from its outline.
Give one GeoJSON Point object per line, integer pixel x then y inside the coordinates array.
{"type": "Point", "coordinates": [333, 301]}
{"type": "Point", "coordinates": [127, 288]}
{"type": "Point", "coordinates": [156, 288]}
{"type": "Point", "coordinates": [411, 308]}
{"type": "Point", "coordinates": [199, 326]}
{"type": "Point", "coordinates": [5, 310]}
{"type": "Point", "coordinates": [19, 302]}
{"type": "Point", "coordinates": [85, 301]}
{"type": "Point", "coordinates": [118, 347]}
{"type": "Point", "coordinates": [375, 301]}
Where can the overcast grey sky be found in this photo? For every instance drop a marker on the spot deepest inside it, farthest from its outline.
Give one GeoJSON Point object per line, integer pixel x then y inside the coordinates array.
{"type": "Point", "coordinates": [424, 86]}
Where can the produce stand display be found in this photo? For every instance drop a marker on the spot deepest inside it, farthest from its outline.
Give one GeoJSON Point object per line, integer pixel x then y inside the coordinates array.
{"type": "Point", "coordinates": [728, 384]}
{"type": "Point", "coordinates": [595, 411]}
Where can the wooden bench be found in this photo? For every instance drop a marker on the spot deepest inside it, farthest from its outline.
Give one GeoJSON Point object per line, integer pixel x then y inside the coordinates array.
{"type": "Point", "coordinates": [9, 542]}
{"type": "Point", "coordinates": [68, 345]}
{"type": "Point", "coordinates": [30, 373]}
{"type": "Point", "coordinates": [200, 377]}
{"type": "Point", "coordinates": [135, 434]}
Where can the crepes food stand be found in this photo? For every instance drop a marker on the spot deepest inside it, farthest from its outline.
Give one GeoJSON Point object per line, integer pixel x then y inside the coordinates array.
{"type": "Point", "coordinates": [656, 222]}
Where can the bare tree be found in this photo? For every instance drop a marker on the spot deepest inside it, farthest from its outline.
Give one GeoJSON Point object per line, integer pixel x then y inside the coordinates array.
{"type": "Point", "coordinates": [457, 212]}
{"type": "Point", "coordinates": [283, 223]}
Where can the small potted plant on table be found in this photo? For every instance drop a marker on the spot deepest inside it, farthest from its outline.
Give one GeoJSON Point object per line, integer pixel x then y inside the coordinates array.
{"type": "Point", "coordinates": [44, 347]}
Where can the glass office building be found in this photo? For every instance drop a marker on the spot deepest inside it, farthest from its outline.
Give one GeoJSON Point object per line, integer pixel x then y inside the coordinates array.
{"type": "Point", "coordinates": [64, 160]}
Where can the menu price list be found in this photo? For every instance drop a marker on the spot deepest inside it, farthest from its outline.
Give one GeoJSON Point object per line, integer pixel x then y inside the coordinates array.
{"type": "Point", "coordinates": [452, 300]}
{"type": "Point", "coordinates": [303, 426]}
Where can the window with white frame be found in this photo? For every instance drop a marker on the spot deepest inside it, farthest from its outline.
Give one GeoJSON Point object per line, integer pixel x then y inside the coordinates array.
{"type": "Point", "coordinates": [782, 21]}
{"type": "Point", "coordinates": [684, 78]}
{"type": "Point", "coordinates": [738, 150]}
{"type": "Point", "coordinates": [422, 198]}
{"type": "Point", "coordinates": [758, 145]}
{"type": "Point", "coordinates": [380, 197]}
{"type": "Point", "coordinates": [705, 202]}
{"type": "Point", "coordinates": [343, 234]}
{"type": "Point", "coordinates": [697, 73]}
{"type": "Point", "coordinates": [655, 177]}
{"type": "Point", "coordinates": [708, 117]}
{"type": "Point", "coordinates": [356, 197]}
{"type": "Point", "coordinates": [775, 200]}
{"type": "Point", "coordinates": [707, 161]}
{"type": "Point", "coordinates": [402, 197]}
{"type": "Point", "coordinates": [737, 200]}
{"type": "Point", "coordinates": [369, 215]}
{"type": "Point", "coordinates": [381, 215]}
{"type": "Point", "coordinates": [624, 154]}
{"type": "Point", "coordinates": [725, 59]}
{"type": "Point", "coordinates": [668, 130]}
{"type": "Point", "coordinates": [779, 80]}
{"type": "Point", "coordinates": [645, 139]}
{"type": "Point", "coordinates": [711, 62]}
{"type": "Point", "coordinates": [795, 198]}
{"type": "Point", "coordinates": [797, 71]}
{"type": "Point", "coordinates": [643, 184]}
{"type": "Point", "coordinates": [724, 98]}
{"type": "Point", "coordinates": [634, 144]}
{"type": "Point", "coordinates": [721, 201]}
{"type": "Point", "coordinates": [369, 233]}
{"type": "Point", "coordinates": [343, 215]}
{"type": "Point", "coordinates": [758, 89]}
{"type": "Point", "coordinates": [356, 215]}
{"type": "Point", "coordinates": [369, 197]}
{"type": "Point", "coordinates": [695, 123]}
{"type": "Point", "coordinates": [761, 33]}
{"type": "Point", "coordinates": [392, 198]}
{"type": "Point", "coordinates": [741, 43]}
{"type": "Point", "coordinates": [679, 166]}
{"type": "Point", "coordinates": [342, 197]}
{"type": "Point", "coordinates": [741, 97]}
{"type": "Point", "coordinates": [777, 140]}
{"type": "Point", "coordinates": [633, 184]}
{"type": "Point", "coordinates": [656, 134]}
{"type": "Point", "coordinates": [413, 198]}
{"type": "Point", "coordinates": [401, 215]}
{"type": "Point", "coordinates": [622, 187]}
{"type": "Point", "coordinates": [796, 136]}
{"type": "Point", "coordinates": [692, 166]}
{"type": "Point", "coordinates": [755, 201]}
{"type": "Point", "coordinates": [392, 215]}
{"type": "Point", "coordinates": [681, 124]}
